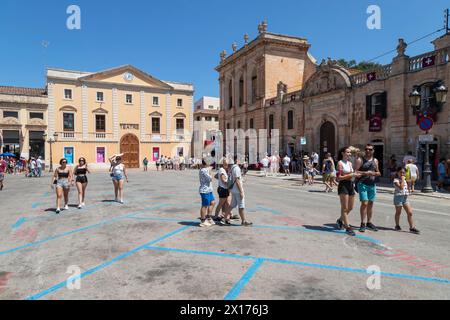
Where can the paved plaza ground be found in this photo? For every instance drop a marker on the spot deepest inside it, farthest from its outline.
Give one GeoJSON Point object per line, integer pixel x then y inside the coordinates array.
{"type": "Point", "coordinates": [152, 248]}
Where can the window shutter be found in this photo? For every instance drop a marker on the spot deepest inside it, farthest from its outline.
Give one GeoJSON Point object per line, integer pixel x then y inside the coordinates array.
{"type": "Point", "coordinates": [384, 105]}
{"type": "Point", "coordinates": [368, 106]}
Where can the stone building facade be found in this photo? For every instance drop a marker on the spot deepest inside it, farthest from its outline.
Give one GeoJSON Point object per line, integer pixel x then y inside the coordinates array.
{"type": "Point", "coordinates": [23, 121]}
{"type": "Point", "coordinates": [336, 106]}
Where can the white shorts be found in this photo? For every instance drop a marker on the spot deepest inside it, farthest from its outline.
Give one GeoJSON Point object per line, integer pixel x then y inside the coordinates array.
{"type": "Point", "coordinates": [237, 201]}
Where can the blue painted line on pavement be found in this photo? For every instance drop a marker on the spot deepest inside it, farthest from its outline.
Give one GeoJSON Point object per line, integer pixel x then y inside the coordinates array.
{"type": "Point", "coordinates": [18, 223]}
{"type": "Point", "coordinates": [236, 290]}
{"type": "Point", "coordinates": [303, 264]}
{"type": "Point", "coordinates": [101, 223]}
{"type": "Point", "coordinates": [303, 229]}
{"type": "Point", "coordinates": [104, 265]}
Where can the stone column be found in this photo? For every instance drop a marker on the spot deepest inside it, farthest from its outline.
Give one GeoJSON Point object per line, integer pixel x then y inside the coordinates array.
{"type": "Point", "coordinates": [115, 114]}
{"type": "Point", "coordinates": [84, 110]}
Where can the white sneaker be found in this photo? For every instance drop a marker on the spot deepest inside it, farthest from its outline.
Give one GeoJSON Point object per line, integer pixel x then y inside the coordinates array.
{"type": "Point", "coordinates": [66, 207]}
{"type": "Point", "coordinates": [211, 222]}
{"type": "Point", "coordinates": [58, 210]}
{"type": "Point", "coordinates": [80, 206]}
{"type": "Point", "coordinates": [205, 224]}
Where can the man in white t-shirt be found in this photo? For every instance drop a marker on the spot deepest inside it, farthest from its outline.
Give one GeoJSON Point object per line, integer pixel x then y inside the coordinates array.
{"type": "Point", "coordinates": [286, 163]}
{"type": "Point", "coordinates": [412, 175]}
{"type": "Point", "coordinates": [315, 159]}
{"type": "Point", "coordinates": [237, 194]}
{"type": "Point", "coordinates": [265, 163]}
{"type": "Point", "coordinates": [39, 166]}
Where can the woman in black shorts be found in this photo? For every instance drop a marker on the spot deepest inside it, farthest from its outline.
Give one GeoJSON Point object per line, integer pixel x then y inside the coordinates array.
{"type": "Point", "coordinates": [346, 189]}
{"type": "Point", "coordinates": [222, 190]}
{"type": "Point", "coordinates": [80, 172]}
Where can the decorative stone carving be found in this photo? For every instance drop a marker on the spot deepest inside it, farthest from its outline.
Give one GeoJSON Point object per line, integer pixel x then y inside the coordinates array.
{"type": "Point", "coordinates": [234, 46]}
{"type": "Point", "coordinates": [401, 48]}
{"type": "Point", "coordinates": [246, 39]}
{"type": "Point", "coordinates": [36, 122]}
{"type": "Point", "coordinates": [223, 54]}
{"type": "Point", "coordinates": [262, 27]}
{"type": "Point", "coordinates": [11, 120]}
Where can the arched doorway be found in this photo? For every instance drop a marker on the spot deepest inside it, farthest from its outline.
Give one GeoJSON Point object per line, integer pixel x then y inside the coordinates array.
{"type": "Point", "coordinates": [327, 140]}
{"type": "Point", "coordinates": [129, 146]}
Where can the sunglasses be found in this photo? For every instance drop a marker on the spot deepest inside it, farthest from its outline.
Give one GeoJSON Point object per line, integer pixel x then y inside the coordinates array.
{"type": "Point", "coordinates": [369, 149]}
{"type": "Point", "coordinates": [64, 162]}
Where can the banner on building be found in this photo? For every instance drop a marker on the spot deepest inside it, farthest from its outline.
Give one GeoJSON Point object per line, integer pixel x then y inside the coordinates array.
{"type": "Point", "coordinates": [375, 123]}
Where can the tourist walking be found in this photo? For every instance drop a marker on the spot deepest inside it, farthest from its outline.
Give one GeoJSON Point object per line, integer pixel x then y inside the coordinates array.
{"type": "Point", "coordinates": [158, 163]}
{"type": "Point", "coordinates": [236, 187]}
{"type": "Point", "coordinates": [368, 169]}
{"type": "Point", "coordinates": [265, 165]}
{"type": "Point", "coordinates": [39, 164]}
{"type": "Point", "coordinates": [315, 159]}
{"type": "Point", "coordinates": [222, 190]}
{"type": "Point", "coordinates": [401, 201]}
{"type": "Point", "coordinates": [412, 175]}
{"type": "Point", "coordinates": [145, 163]}
{"type": "Point", "coordinates": [80, 171]}
{"type": "Point", "coordinates": [62, 178]}
{"type": "Point", "coordinates": [3, 166]}
{"type": "Point", "coordinates": [346, 190]}
{"type": "Point", "coordinates": [206, 194]}
{"type": "Point", "coordinates": [327, 171]}
{"type": "Point", "coordinates": [118, 175]}
{"type": "Point", "coordinates": [442, 175]}
{"type": "Point", "coordinates": [286, 163]}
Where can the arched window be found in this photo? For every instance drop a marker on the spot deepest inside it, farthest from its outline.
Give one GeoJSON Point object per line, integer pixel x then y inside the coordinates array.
{"type": "Point", "coordinates": [254, 86]}
{"type": "Point", "coordinates": [241, 92]}
{"type": "Point", "coordinates": [230, 94]}
{"type": "Point", "coordinates": [290, 119]}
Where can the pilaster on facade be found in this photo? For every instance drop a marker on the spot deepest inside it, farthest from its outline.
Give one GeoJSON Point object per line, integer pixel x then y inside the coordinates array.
{"type": "Point", "coordinates": [84, 108]}
{"type": "Point", "coordinates": [143, 116]}
{"type": "Point", "coordinates": [115, 114]}
{"type": "Point", "coordinates": [51, 109]}
{"type": "Point", "coordinates": [168, 117]}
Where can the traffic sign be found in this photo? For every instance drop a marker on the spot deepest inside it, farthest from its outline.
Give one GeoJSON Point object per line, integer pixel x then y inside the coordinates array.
{"type": "Point", "coordinates": [302, 141]}
{"type": "Point", "coordinates": [424, 138]}
{"type": "Point", "coordinates": [426, 123]}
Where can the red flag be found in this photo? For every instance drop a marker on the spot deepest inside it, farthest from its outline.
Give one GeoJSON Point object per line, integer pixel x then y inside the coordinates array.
{"type": "Point", "coordinates": [428, 61]}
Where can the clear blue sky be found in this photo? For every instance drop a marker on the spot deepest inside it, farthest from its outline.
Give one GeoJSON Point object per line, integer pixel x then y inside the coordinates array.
{"type": "Point", "coordinates": [181, 40]}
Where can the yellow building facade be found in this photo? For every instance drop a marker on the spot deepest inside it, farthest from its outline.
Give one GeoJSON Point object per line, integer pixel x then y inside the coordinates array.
{"type": "Point", "coordinates": [119, 110]}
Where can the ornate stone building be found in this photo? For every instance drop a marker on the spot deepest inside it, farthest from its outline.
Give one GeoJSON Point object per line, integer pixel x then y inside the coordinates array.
{"type": "Point", "coordinates": [332, 106]}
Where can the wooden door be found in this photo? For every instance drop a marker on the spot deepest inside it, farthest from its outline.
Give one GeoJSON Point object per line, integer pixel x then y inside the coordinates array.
{"type": "Point", "coordinates": [327, 140]}
{"type": "Point", "coordinates": [129, 146]}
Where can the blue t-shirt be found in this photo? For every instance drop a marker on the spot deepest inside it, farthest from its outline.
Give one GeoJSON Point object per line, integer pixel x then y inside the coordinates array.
{"type": "Point", "coordinates": [441, 169]}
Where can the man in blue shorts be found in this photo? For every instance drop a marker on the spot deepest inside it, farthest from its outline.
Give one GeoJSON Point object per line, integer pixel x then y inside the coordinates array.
{"type": "Point", "coordinates": [206, 193]}
{"type": "Point", "coordinates": [366, 186]}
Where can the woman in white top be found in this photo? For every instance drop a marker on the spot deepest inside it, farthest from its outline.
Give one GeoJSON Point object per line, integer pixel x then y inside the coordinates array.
{"type": "Point", "coordinates": [222, 190]}
{"type": "Point", "coordinates": [118, 175]}
{"type": "Point", "coordinates": [412, 175]}
{"type": "Point", "coordinates": [346, 189]}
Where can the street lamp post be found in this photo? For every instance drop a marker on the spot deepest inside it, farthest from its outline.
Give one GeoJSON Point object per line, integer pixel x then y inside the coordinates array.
{"type": "Point", "coordinates": [415, 99]}
{"type": "Point", "coordinates": [51, 140]}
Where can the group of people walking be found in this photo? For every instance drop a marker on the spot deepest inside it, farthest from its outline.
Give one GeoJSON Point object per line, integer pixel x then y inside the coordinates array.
{"type": "Point", "coordinates": [230, 185]}
{"type": "Point", "coordinates": [64, 177]}
{"type": "Point", "coordinates": [359, 174]}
